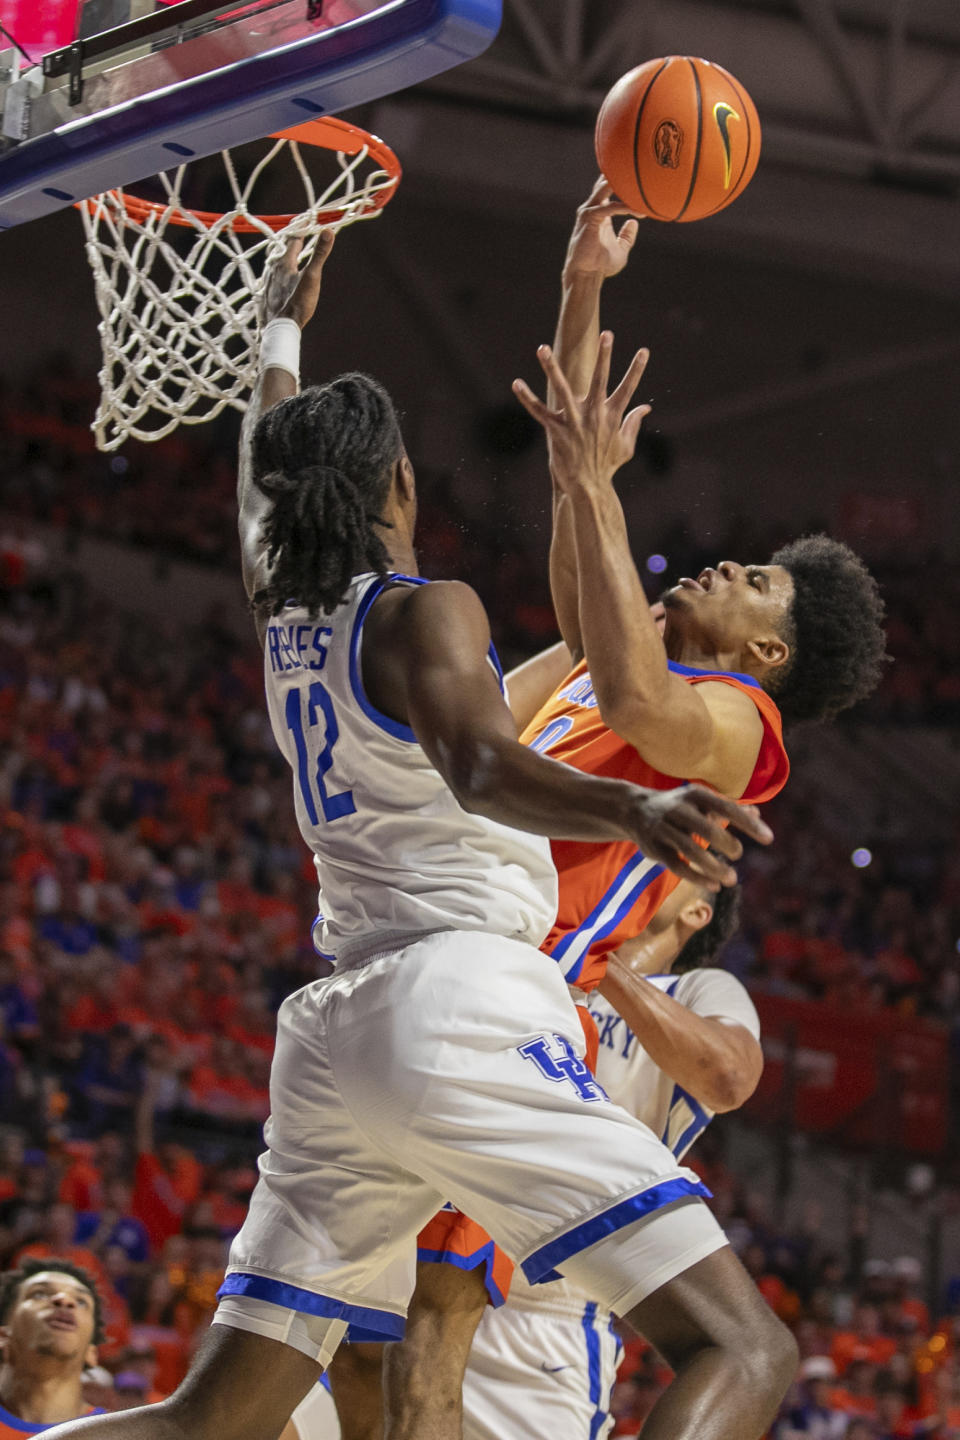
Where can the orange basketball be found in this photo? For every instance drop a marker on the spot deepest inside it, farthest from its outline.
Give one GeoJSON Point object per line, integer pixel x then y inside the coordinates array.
{"type": "Point", "coordinates": [678, 138]}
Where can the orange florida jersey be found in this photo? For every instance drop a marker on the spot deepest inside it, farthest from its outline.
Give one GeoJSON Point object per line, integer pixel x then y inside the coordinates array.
{"type": "Point", "coordinates": [609, 891]}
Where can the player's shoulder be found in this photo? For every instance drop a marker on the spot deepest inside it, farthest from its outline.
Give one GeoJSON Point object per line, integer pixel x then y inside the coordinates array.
{"type": "Point", "coordinates": [729, 700]}
{"type": "Point", "coordinates": [438, 613]}
{"type": "Point", "coordinates": [707, 987]}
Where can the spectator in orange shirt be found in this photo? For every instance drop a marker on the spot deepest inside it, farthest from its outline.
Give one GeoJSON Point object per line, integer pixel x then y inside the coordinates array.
{"type": "Point", "coordinates": [856, 1395]}
{"type": "Point", "coordinates": [863, 1341]}
{"type": "Point", "coordinates": [907, 1275]}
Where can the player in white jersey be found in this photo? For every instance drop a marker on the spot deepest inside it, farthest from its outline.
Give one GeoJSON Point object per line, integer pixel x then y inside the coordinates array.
{"type": "Point", "coordinates": [405, 1078]}
{"type": "Point", "coordinates": [545, 1362]}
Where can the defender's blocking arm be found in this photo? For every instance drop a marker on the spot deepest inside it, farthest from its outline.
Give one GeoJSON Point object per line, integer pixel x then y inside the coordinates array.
{"type": "Point", "coordinates": [291, 295]}
{"type": "Point", "coordinates": [437, 676]}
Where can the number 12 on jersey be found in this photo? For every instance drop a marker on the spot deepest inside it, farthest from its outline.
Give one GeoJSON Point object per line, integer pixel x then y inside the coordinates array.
{"type": "Point", "coordinates": [319, 705]}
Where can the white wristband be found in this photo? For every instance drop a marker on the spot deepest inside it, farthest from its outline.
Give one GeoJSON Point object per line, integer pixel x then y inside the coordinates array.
{"type": "Point", "coordinates": [280, 346]}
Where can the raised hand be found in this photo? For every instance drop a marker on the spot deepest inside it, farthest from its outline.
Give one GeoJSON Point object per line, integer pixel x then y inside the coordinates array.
{"type": "Point", "coordinates": [590, 438]}
{"type": "Point", "coordinates": [673, 827]}
{"type": "Point", "coordinates": [291, 292]}
{"type": "Point", "coordinates": [596, 247]}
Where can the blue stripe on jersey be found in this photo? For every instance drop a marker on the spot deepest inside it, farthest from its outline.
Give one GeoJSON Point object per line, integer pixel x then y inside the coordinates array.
{"type": "Point", "coordinates": [484, 1256]}
{"type": "Point", "coordinates": [396, 728]}
{"type": "Point", "coordinates": [679, 669]}
{"type": "Point", "coordinates": [363, 1322]}
{"type": "Point", "coordinates": [14, 1422]}
{"type": "Point", "coordinates": [392, 727]}
{"type": "Point", "coordinates": [325, 1382]}
{"type": "Point", "coordinates": [698, 1124]}
{"type": "Point", "coordinates": [594, 927]}
{"type": "Point", "coordinates": [539, 1267]}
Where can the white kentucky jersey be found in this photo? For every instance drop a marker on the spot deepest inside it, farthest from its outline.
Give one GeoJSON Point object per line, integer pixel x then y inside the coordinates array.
{"type": "Point", "coordinates": [632, 1079]}
{"type": "Point", "coordinates": [395, 853]}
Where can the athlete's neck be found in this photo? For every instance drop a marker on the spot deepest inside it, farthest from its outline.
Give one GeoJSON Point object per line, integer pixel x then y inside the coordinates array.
{"type": "Point", "coordinates": [688, 650]}
{"type": "Point", "coordinates": [402, 559]}
{"type": "Point", "coordinates": [653, 954]}
{"type": "Point", "coordinates": [42, 1399]}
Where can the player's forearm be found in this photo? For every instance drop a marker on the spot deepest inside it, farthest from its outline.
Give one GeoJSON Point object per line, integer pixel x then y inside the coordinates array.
{"type": "Point", "coordinates": [273, 384]}
{"type": "Point", "coordinates": [575, 345]}
{"type": "Point", "coordinates": [530, 685]}
{"type": "Point", "coordinates": [577, 339]}
{"type": "Point", "coordinates": [512, 785]}
{"type": "Point", "coordinates": [564, 579]}
{"type": "Point", "coordinates": [628, 664]}
{"type": "Point", "coordinates": [719, 1065]}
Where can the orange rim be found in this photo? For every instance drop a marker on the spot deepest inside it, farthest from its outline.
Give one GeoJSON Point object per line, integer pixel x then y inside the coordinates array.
{"type": "Point", "coordinates": [327, 133]}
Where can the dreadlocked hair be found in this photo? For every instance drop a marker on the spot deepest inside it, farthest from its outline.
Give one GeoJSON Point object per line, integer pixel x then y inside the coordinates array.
{"type": "Point", "coordinates": [834, 629]}
{"type": "Point", "coordinates": [11, 1281]}
{"type": "Point", "coordinates": [706, 944]}
{"type": "Point", "coordinates": [324, 458]}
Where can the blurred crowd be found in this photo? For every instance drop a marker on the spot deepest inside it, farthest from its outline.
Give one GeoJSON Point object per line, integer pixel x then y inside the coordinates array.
{"type": "Point", "coordinates": [156, 903]}
{"type": "Point", "coordinates": [149, 496]}
{"type": "Point", "coordinates": [818, 925]}
{"type": "Point", "coordinates": [875, 1364]}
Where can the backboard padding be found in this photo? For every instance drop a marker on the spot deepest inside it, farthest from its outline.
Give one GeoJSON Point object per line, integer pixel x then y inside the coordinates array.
{"type": "Point", "coordinates": [237, 82]}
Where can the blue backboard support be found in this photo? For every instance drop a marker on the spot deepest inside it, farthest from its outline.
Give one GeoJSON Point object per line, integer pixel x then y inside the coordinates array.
{"type": "Point", "coordinates": [246, 79]}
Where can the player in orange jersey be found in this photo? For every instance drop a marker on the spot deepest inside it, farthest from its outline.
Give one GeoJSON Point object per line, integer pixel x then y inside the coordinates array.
{"type": "Point", "coordinates": [742, 647]}
{"type": "Point", "coordinates": [50, 1326]}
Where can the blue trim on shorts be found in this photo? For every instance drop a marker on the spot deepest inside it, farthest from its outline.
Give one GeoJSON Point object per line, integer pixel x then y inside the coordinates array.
{"type": "Point", "coordinates": [593, 1367]}
{"type": "Point", "coordinates": [540, 1266]}
{"type": "Point", "coordinates": [484, 1256]}
{"type": "Point", "coordinates": [363, 1322]}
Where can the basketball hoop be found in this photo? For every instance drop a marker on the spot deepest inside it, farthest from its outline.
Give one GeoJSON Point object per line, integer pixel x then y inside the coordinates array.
{"type": "Point", "coordinates": [178, 289]}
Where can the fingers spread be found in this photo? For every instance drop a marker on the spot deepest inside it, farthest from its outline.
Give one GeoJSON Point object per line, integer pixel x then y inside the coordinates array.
{"type": "Point", "coordinates": [556, 377]}
{"type": "Point", "coordinates": [531, 403]}
{"type": "Point", "coordinates": [623, 394]}
{"type": "Point", "coordinates": [601, 370]}
{"type": "Point", "coordinates": [744, 817]}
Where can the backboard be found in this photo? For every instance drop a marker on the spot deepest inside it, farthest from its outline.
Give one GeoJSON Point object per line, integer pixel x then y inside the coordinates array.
{"type": "Point", "coordinates": [164, 82]}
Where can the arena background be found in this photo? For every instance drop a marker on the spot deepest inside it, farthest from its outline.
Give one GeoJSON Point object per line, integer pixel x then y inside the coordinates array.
{"type": "Point", "coordinates": [805, 373]}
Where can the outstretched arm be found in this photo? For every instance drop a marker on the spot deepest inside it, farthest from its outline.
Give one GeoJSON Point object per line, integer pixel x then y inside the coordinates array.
{"type": "Point", "coordinates": [289, 294]}
{"type": "Point", "coordinates": [530, 685]}
{"type": "Point", "coordinates": [709, 731]}
{"type": "Point", "coordinates": [718, 1062]}
{"type": "Point", "coordinates": [596, 252]}
{"type": "Point", "coordinates": [429, 667]}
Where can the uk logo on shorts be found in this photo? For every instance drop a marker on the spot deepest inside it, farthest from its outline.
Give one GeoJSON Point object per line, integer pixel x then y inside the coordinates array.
{"type": "Point", "coordinates": [557, 1062]}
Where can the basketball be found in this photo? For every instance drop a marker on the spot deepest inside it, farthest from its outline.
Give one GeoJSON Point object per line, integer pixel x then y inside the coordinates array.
{"type": "Point", "coordinates": [678, 138]}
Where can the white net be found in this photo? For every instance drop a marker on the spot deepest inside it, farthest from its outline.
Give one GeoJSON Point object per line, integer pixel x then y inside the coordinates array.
{"type": "Point", "coordinates": [178, 291]}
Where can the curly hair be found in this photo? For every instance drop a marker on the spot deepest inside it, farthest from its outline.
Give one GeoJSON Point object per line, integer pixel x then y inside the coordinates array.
{"type": "Point", "coordinates": [707, 943]}
{"type": "Point", "coordinates": [834, 629]}
{"type": "Point", "coordinates": [11, 1281]}
{"type": "Point", "coordinates": [324, 458]}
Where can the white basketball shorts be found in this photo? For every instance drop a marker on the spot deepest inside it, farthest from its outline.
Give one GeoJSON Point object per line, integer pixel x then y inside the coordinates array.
{"type": "Point", "coordinates": [453, 1070]}
{"type": "Point", "coordinates": [315, 1418]}
{"type": "Point", "coordinates": [535, 1373]}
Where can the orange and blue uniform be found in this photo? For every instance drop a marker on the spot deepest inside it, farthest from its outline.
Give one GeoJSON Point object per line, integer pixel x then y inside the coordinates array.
{"type": "Point", "coordinates": [609, 891]}
{"type": "Point", "coordinates": [13, 1428]}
